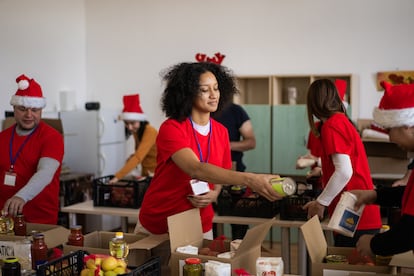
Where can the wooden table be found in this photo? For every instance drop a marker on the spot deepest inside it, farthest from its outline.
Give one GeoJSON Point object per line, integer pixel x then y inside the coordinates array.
{"type": "Point", "coordinates": [87, 207]}
{"type": "Point", "coordinates": [285, 225]}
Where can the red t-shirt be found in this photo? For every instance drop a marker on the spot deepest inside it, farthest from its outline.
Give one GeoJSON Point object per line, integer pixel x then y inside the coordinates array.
{"type": "Point", "coordinates": [338, 135]}
{"type": "Point", "coordinates": [167, 193]}
{"type": "Point", "coordinates": [44, 142]}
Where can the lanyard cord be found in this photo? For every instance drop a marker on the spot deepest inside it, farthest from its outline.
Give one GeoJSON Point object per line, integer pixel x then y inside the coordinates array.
{"type": "Point", "coordinates": [13, 159]}
{"type": "Point", "coordinates": [198, 143]}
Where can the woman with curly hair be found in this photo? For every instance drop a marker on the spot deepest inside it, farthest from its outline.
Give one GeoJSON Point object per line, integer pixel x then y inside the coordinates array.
{"type": "Point", "coordinates": [193, 158]}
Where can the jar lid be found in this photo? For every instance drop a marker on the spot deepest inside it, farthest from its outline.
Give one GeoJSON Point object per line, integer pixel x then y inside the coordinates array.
{"type": "Point", "coordinates": [11, 260]}
{"type": "Point", "coordinates": [119, 234]}
{"type": "Point", "coordinates": [192, 261]}
{"type": "Point", "coordinates": [76, 227]}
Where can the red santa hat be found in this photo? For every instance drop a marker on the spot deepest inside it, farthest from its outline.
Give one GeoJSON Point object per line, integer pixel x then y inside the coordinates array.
{"type": "Point", "coordinates": [396, 107]}
{"type": "Point", "coordinates": [29, 93]}
{"type": "Point", "coordinates": [132, 109]}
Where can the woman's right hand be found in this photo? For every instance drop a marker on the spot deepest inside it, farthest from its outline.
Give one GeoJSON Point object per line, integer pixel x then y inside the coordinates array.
{"type": "Point", "coordinates": [113, 180]}
{"type": "Point", "coordinates": [261, 184]}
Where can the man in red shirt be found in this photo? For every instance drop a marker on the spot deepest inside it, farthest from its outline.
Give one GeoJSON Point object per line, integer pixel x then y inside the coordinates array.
{"type": "Point", "coordinates": [30, 158]}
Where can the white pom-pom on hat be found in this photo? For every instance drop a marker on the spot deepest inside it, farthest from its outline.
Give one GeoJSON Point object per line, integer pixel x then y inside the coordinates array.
{"type": "Point", "coordinates": [23, 84]}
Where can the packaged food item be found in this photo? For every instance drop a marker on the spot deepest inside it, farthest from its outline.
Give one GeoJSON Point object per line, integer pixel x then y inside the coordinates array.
{"type": "Point", "coordinates": [336, 259]}
{"type": "Point", "coordinates": [20, 228]}
{"type": "Point", "coordinates": [269, 266]}
{"type": "Point", "coordinates": [285, 186]}
{"type": "Point", "coordinates": [118, 247]}
{"type": "Point", "coordinates": [344, 218]}
{"type": "Point", "coordinates": [192, 267]}
{"type": "Point", "coordinates": [38, 250]}
{"type": "Point", "coordinates": [6, 223]}
{"type": "Point", "coordinates": [11, 267]}
{"type": "Point", "coordinates": [75, 237]}
{"type": "Point", "coordinates": [215, 268]}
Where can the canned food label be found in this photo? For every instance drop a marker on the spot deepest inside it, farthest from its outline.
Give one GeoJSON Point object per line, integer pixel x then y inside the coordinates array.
{"type": "Point", "coordinates": [284, 186]}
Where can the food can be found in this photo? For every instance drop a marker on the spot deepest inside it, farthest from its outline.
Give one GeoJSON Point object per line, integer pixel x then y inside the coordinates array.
{"type": "Point", "coordinates": [336, 259]}
{"type": "Point", "coordinates": [285, 186]}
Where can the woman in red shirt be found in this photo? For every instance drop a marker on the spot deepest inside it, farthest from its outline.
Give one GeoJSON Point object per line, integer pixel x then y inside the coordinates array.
{"type": "Point", "coordinates": [194, 148]}
{"type": "Point", "coordinates": [344, 162]}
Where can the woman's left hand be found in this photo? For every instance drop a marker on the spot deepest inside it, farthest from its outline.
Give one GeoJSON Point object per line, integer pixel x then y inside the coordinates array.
{"type": "Point", "coordinates": [201, 201]}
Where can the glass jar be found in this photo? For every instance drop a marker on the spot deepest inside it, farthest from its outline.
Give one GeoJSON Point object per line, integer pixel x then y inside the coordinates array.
{"type": "Point", "coordinates": [6, 223]}
{"type": "Point", "coordinates": [20, 225]}
{"type": "Point", "coordinates": [75, 237]}
{"type": "Point", "coordinates": [192, 267]}
{"type": "Point", "coordinates": [38, 250]}
{"type": "Point", "coordinates": [11, 267]}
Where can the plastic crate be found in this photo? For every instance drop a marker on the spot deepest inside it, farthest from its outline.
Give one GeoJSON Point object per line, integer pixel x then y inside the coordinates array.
{"type": "Point", "coordinates": [235, 203]}
{"type": "Point", "coordinates": [291, 208]}
{"type": "Point", "coordinates": [72, 264]}
{"type": "Point", "coordinates": [124, 194]}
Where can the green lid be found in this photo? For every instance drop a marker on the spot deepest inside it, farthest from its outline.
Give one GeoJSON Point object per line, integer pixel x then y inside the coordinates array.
{"type": "Point", "coordinates": [11, 260]}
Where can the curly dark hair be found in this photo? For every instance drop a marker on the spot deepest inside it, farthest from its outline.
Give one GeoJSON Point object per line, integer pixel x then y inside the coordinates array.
{"type": "Point", "coordinates": [182, 87]}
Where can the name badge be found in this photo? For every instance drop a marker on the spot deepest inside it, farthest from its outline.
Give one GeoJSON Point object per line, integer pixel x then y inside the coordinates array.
{"type": "Point", "coordinates": [10, 179]}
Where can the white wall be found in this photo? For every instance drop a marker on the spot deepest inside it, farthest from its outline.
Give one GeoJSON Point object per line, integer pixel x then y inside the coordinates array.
{"type": "Point", "coordinates": [103, 49]}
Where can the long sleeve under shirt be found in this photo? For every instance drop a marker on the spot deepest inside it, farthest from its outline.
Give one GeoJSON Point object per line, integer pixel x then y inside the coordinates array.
{"type": "Point", "coordinates": [400, 237]}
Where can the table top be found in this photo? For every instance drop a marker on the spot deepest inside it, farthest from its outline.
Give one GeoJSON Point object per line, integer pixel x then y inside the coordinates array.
{"type": "Point", "coordinates": [87, 207]}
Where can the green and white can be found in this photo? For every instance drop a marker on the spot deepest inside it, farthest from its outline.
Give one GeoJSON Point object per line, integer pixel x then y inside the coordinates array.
{"type": "Point", "coordinates": [285, 186]}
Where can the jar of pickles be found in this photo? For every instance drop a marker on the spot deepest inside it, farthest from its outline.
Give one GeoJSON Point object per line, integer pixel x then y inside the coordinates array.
{"type": "Point", "coordinates": [6, 223]}
{"type": "Point", "coordinates": [192, 267]}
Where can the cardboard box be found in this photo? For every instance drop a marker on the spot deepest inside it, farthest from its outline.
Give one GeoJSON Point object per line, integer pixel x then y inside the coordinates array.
{"type": "Point", "coordinates": [404, 262]}
{"type": "Point", "coordinates": [317, 248]}
{"type": "Point", "coordinates": [185, 229]}
{"type": "Point", "coordinates": [19, 246]}
{"type": "Point", "coordinates": [141, 246]}
{"type": "Point", "coordinates": [55, 235]}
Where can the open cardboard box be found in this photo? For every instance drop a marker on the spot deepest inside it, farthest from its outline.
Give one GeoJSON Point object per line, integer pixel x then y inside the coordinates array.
{"type": "Point", "coordinates": [141, 246]}
{"type": "Point", "coordinates": [19, 246]}
{"type": "Point", "coordinates": [404, 262]}
{"type": "Point", "coordinates": [55, 235]}
{"type": "Point", "coordinates": [185, 229]}
{"type": "Point", "coordinates": [318, 248]}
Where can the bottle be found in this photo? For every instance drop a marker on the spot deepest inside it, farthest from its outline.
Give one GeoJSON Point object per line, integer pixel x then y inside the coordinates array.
{"type": "Point", "coordinates": [11, 267]}
{"type": "Point", "coordinates": [118, 247]}
{"type": "Point", "coordinates": [6, 223]}
{"type": "Point", "coordinates": [38, 250]}
{"type": "Point", "coordinates": [192, 267]}
{"type": "Point", "coordinates": [75, 237]}
{"type": "Point", "coordinates": [20, 225]}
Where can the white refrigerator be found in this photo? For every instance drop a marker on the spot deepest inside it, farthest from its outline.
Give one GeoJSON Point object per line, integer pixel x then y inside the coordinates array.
{"type": "Point", "coordinates": [94, 143]}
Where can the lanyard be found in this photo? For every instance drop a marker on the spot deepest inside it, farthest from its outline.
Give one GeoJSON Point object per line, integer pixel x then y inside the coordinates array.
{"type": "Point", "coordinates": [198, 143]}
{"type": "Point", "coordinates": [13, 159]}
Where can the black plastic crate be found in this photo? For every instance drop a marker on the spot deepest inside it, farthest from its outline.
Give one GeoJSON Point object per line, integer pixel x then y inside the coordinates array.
{"type": "Point", "coordinates": [237, 203]}
{"type": "Point", "coordinates": [72, 264]}
{"type": "Point", "coordinates": [124, 194]}
{"type": "Point", "coordinates": [291, 208]}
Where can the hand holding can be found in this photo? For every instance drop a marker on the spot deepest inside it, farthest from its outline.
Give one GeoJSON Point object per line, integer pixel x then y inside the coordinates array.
{"type": "Point", "coordinates": [285, 186]}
